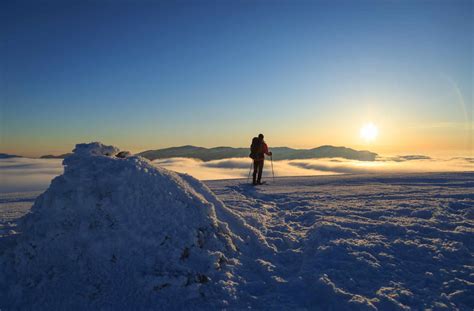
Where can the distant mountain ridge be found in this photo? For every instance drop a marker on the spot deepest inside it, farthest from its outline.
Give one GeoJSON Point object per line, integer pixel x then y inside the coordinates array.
{"type": "Point", "coordinates": [8, 156]}
{"type": "Point", "coordinates": [50, 156]}
{"type": "Point", "coordinates": [279, 153]}
{"type": "Point", "coordinates": [219, 153]}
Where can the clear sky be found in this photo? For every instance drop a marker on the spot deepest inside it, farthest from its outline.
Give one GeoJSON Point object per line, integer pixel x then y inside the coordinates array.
{"type": "Point", "coordinates": [152, 74]}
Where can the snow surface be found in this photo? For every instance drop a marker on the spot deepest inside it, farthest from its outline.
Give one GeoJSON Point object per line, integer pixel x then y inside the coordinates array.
{"type": "Point", "coordinates": [120, 233]}
{"type": "Point", "coordinates": [371, 242]}
{"type": "Point", "coordinates": [115, 233]}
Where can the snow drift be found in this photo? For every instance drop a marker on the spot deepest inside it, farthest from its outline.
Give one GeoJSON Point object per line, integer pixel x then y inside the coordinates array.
{"type": "Point", "coordinates": [120, 233]}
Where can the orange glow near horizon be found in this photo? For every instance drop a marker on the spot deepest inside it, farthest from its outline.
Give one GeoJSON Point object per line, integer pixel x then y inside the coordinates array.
{"type": "Point", "coordinates": [380, 135]}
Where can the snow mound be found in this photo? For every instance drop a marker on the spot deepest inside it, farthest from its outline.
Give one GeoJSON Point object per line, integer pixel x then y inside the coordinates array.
{"type": "Point", "coordinates": [119, 233]}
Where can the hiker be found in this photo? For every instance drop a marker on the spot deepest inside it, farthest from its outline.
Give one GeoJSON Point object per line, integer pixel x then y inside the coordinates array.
{"type": "Point", "coordinates": [258, 150]}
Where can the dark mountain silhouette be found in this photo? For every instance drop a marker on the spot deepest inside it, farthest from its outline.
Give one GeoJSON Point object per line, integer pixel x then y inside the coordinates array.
{"type": "Point", "coordinates": [279, 153]}
{"type": "Point", "coordinates": [50, 156]}
{"type": "Point", "coordinates": [8, 156]}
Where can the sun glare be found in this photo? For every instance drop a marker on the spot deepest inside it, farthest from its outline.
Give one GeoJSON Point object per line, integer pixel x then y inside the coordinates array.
{"type": "Point", "coordinates": [369, 132]}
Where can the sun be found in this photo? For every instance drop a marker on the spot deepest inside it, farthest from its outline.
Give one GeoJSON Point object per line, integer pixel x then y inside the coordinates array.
{"type": "Point", "coordinates": [369, 132]}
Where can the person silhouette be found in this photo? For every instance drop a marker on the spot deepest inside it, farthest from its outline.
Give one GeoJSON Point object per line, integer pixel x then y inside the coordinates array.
{"type": "Point", "coordinates": [258, 151]}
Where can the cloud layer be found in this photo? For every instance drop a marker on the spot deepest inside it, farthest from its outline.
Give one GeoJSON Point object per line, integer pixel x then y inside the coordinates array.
{"type": "Point", "coordinates": [24, 174]}
{"type": "Point", "coordinates": [240, 167]}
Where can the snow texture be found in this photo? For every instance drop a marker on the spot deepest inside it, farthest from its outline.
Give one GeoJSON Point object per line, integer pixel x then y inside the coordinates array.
{"type": "Point", "coordinates": [119, 233]}
{"type": "Point", "coordinates": [373, 242]}
{"type": "Point", "coordinates": [113, 233]}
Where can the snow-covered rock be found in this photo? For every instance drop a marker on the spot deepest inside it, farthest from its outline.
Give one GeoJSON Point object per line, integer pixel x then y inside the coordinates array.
{"type": "Point", "coordinates": [119, 233]}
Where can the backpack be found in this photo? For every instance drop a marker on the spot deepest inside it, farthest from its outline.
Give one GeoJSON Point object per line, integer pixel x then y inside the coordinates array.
{"type": "Point", "coordinates": [254, 148]}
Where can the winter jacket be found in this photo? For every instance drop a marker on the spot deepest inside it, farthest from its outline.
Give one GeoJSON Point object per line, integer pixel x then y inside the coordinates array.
{"type": "Point", "coordinates": [262, 152]}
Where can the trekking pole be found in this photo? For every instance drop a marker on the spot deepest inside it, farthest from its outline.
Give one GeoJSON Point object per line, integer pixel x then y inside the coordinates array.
{"type": "Point", "coordinates": [273, 173]}
{"type": "Point", "coordinates": [250, 170]}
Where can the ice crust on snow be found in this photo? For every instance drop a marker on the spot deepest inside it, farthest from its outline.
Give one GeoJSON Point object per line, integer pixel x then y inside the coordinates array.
{"type": "Point", "coordinates": [119, 233]}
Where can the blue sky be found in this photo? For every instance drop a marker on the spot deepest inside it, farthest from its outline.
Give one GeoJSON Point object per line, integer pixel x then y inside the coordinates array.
{"type": "Point", "coordinates": [150, 74]}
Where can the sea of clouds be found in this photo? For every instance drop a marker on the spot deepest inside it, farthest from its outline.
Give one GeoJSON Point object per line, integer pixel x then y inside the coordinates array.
{"type": "Point", "coordinates": [26, 174]}
{"type": "Point", "coordinates": [240, 167]}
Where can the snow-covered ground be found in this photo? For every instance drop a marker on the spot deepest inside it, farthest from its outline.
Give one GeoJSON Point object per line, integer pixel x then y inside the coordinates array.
{"type": "Point", "coordinates": [155, 238]}
{"type": "Point", "coordinates": [370, 242]}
